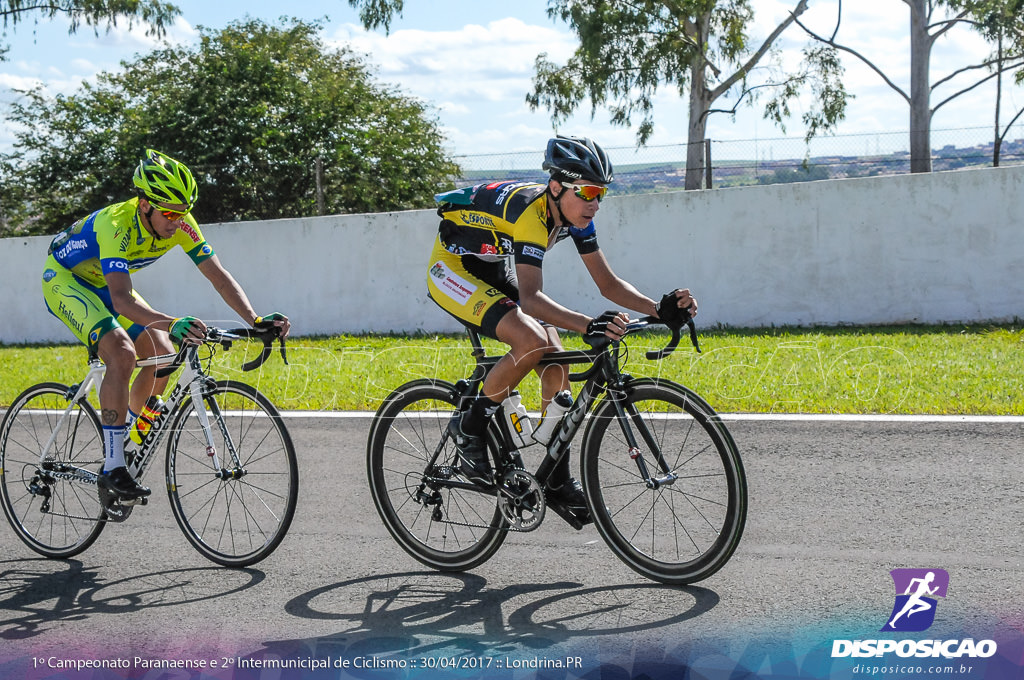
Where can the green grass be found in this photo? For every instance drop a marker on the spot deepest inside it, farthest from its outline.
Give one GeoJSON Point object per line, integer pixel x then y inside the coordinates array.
{"type": "Point", "coordinates": [904, 369]}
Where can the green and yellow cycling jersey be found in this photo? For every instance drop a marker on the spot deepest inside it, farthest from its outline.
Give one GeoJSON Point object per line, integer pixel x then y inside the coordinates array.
{"type": "Point", "coordinates": [113, 240]}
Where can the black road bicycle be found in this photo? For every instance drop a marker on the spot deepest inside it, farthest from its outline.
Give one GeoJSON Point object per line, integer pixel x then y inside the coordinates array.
{"type": "Point", "coordinates": [231, 473]}
{"type": "Point", "coordinates": [663, 479]}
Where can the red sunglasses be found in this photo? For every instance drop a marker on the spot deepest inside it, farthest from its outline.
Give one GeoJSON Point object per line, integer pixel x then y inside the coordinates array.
{"type": "Point", "coordinates": [587, 192]}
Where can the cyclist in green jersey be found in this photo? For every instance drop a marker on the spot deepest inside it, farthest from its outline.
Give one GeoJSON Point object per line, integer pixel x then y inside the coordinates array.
{"type": "Point", "coordinates": [87, 284]}
{"type": "Point", "coordinates": [485, 270]}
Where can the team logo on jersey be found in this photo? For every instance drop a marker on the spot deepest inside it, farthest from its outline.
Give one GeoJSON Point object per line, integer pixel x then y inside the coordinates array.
{"type": "Point", "coordinates": [48, 275]}
{"type": "Point", "coordinates": [916, 590]}
{"type": "Point", "coordinates": [477, 220]}
{"type": "Point", "coordinates": [451, 284]}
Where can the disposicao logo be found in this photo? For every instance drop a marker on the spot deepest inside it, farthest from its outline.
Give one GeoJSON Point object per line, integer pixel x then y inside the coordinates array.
{"type": "Point", "coordinates": [916, 590]}
{"type": "Point", "coordinates": [914, 611]}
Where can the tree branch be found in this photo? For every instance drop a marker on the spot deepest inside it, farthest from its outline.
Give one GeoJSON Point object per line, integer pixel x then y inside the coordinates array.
{"type": "Point", "coordinates": [1009, 125]}
{"type": "Point", "coordinates": [725, 85]}
{"type": "Point", "coordinates": [744, 94]}
{"type": "Point", "coordinates": [867, 62]}
{"type": "Point", "coordinates": [946, 25]}
{"type": "Point", "coordinates": [972, 67]}
{"type": "Point", "coordinates": [964, 90]}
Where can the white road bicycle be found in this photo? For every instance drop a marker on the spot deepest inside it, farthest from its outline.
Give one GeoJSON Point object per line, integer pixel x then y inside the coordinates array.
{"type": "Point", "coordinates": [231, 473]}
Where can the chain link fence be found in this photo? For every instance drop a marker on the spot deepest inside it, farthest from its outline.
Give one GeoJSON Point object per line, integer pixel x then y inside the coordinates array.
{"type": "Point", "coordinates": [649, 169]}
{"type": "Point", "coordinates": [746, 162]}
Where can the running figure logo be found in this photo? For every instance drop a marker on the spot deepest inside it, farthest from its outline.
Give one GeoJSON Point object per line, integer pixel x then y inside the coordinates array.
{"type": "Point", "coordinates": [916, 590]}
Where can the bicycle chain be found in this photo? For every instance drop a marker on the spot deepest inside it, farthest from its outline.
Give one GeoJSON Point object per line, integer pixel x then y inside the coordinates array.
{"type": "Point", "coordinates": [506, 528]}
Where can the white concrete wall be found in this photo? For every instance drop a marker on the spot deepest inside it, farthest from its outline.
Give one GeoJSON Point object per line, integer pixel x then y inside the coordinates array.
{"type": "Point", "coordinates": [923, 248]}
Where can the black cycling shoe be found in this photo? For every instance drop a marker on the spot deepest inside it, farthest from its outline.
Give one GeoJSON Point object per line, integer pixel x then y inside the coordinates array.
{"type": "Point", "coordinates": [120, 483]}
{"type": "Point", "coordinates": [472, 450]}
{"type": "Point", "coordinates": [569, 494]}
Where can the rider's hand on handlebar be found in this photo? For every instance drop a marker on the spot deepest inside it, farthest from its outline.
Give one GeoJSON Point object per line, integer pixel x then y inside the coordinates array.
{"type": "Point", "coordinates": [274, 319]}
{"type": "Point", "coordinates": [676, 307]}
{"type": "Point", "coordinates": [611, 324]}
{"type": "Point", "coordinates": [187, 330]}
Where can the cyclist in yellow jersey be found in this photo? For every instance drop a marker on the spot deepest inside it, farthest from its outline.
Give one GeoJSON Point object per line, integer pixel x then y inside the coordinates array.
{"type": "Point", "coordinates": [87, 285]}
{"type": "Point", "coordinates": [486, 271]}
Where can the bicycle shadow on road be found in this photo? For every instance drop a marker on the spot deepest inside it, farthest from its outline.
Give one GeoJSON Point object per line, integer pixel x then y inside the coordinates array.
{"type": "Point", "coordinates": [431, 613]}
{"type": "Point", "coordinates": [38, 595]}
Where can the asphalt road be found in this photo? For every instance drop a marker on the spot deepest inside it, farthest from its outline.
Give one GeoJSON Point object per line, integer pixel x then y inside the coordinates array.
{"type": "Point", "coordinates": [833, 507]}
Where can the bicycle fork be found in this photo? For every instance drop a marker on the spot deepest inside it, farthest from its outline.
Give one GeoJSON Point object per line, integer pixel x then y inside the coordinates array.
{"type": "Point", "coordinates": [626, 414]}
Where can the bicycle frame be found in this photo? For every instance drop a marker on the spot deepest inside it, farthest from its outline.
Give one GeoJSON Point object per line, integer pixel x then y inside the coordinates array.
{"type": "Point", "coordinates": [602, 377]}
{"type": "Point", "coordinates": [189, 385]}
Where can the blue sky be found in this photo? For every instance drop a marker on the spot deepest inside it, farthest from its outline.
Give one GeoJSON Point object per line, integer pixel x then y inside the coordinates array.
{"type": "Point", "coordinates": [473, 63]}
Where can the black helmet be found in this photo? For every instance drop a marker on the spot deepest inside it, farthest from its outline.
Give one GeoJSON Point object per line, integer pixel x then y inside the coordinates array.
{"type": "Point", "coordinates": [577, 158]}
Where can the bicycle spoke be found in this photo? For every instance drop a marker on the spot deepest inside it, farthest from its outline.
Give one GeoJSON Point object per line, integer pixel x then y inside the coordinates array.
{"type": "Point", "coordinates": [445, 527]}
{"type": "Point", "coordinates": [238, 515]}
{"type": "Point", "coordinates": [684, 525]}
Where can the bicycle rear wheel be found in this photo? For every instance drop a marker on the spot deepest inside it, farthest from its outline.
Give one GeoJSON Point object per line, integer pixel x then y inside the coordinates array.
{"type": "Point", "coordinates": [409, 461]}
{"type": "Point", "coordinates": [687, 529]}
{"type": "Point", "coordinates": [238, 514]}
{"type": "Point", "coordinates": [53, 507]}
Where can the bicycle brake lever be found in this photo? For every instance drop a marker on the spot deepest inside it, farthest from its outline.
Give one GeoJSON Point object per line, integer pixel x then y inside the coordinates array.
{"type": "Point", "coordinates": [656, 355]}
{"type": "Point", "coordinates": [284, 352]}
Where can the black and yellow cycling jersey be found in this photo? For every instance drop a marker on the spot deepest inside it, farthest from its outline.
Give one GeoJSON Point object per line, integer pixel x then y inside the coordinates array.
{"type": "Point", "coordinates": [484, 230]}
{"type": "Point", "coordinates": [109, 240]}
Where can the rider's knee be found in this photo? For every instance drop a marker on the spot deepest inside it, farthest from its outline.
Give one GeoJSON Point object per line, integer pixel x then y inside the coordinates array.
{"type": "Point", "coordinates": [153, 343]}
{"type": "Point", "coordinates": [117, 351]}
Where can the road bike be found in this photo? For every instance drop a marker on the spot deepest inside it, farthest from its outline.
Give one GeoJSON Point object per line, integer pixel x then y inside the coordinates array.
{"type": "Point", "coordinates": [664, 482]}
{"type": "Point", "coordinates": [231, 473]}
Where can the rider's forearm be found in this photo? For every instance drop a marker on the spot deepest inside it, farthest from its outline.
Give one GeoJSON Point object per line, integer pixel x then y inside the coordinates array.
{"type": "Point", "coordinates": [142, 314]}
{"type": "Point", "coordinates": [626, 295]}
{"type": "Point", "coordinates": [235, 297]}
{"type": "Point", "coordinates": [540, 306]}
{"type": "Point", "coordinates": [228, 289]}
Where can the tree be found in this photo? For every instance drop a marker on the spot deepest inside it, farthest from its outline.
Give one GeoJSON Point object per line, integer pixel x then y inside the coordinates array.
{"type": "Point", "coordinates": [629, 48]}
{"type": "Point", "coordinates": [154, 13]}
{"type": "Point", "coordinates": [1001, 23]}
{"type": "Point", "coordinates": [929, 21]}
{"type": "Point", "coordinates": [253, 110]}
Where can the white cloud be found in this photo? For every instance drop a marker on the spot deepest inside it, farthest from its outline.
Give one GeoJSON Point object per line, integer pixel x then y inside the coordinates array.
{"type": "Point", "coordinates": [493, 62]}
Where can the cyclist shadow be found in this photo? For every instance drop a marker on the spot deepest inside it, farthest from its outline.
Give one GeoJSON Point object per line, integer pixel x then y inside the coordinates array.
{"type": "Point", "coordinates": [36, 600]}
{"type": "Point", "coordinates": [424, 613]}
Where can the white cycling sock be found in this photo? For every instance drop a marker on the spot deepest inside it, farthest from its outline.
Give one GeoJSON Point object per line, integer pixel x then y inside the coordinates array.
{"type": "Point", "coordinates": [113, 447]}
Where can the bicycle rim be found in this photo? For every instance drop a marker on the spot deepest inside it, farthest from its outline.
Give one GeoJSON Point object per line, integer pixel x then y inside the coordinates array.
{"type": "Point", "coordinates": [236, 515]}
{"type": "Point", "coordinates": [50, 510]}
{"type": "Point", "coordinates": [681, 532]}
{"type": "Point", "coordinates": [450, 529]}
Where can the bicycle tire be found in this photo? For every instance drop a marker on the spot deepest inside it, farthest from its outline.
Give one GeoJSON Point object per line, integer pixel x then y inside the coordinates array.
{"type": "Point", "coordinates": [75, 517]}
{"type": "Point", "coordinates": [678, 533]}
{"type": "Point", "coordinates": [406, 430]}
{"type": "Point", "coordinates": [235, 517]}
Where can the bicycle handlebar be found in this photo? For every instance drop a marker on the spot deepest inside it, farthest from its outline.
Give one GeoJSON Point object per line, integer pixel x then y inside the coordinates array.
{"type": "Point", "coordinates": [225, 337]}
{"type": "Point", "coordinates": [601, 344]}
{"type": "Point", "coordinates": [655, 355]}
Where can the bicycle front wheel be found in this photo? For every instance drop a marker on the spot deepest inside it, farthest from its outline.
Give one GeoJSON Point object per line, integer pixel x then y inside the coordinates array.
{"type": "Point", "coordinates": [412, 469]}
{"type": "Point", "coordinates": [685, 528]}
{"type": "Point", "coordinates": [52, 504]}
{"type": "Point", "coordinates": [237, 513]}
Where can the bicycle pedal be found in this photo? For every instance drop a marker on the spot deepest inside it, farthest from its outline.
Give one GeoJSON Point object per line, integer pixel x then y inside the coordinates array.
{"type": "Point", "coordinates": [571, 518]}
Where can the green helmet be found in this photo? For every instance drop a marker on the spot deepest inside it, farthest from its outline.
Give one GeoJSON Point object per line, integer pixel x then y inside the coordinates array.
{"type": "Point", "coordinates": [163, 180]}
